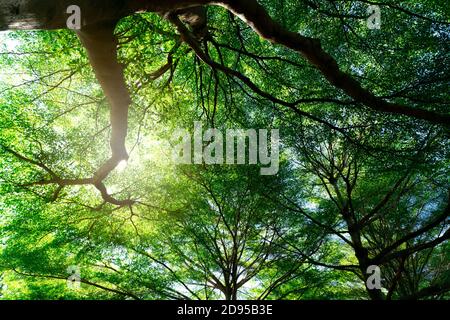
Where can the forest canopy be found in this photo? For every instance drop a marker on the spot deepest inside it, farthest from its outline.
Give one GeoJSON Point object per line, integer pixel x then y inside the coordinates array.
{"type": "Point", "coordinates": [92, 207]}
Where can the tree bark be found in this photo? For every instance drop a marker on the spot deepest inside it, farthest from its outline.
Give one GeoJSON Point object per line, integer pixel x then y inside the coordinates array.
{"type": "Point", "coordinates": [101, 45]}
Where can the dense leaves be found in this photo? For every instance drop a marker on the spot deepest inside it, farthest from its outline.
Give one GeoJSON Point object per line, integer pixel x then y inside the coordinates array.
{"type": "Point", "coordinates": [355, 187]}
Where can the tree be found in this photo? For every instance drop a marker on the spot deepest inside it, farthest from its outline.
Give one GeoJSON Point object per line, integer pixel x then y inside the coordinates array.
{"type": "Point", "coordinates": [97, 35]}
{"type": "Point", "coordinates": [390, 212]}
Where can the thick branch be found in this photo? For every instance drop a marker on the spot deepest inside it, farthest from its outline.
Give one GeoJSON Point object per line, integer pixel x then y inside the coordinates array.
{"type": "Point", "coordinates": [257, 17]}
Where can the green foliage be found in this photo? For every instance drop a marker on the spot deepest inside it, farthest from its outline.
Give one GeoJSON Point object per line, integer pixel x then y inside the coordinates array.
{"type": "Point", "coordinates": [214, 232]}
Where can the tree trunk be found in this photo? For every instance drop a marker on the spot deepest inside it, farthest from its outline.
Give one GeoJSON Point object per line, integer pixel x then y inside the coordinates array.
{"type": "Point", "coordinates": [52, 14]}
